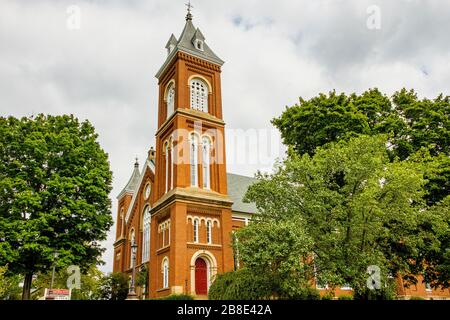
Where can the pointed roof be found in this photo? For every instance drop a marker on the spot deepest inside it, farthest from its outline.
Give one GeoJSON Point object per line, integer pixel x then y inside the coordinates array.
{"type": "Point", "coordinates": [185, 44]}
{"type": "Point", "coordinates": [172, 41]}
{"type": "Point", "coordinates": [133, 182]}
{"type": "Point", "coordinates": [198, 35]}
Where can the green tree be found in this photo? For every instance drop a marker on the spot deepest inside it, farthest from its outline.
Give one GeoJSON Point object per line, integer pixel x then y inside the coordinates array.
{"type": "Point", "coordinates": [54, 186]}
{"type": "Point", "coordinates": [359, 208]}
{"type": "Point", "coordinates": [113, 287]}
{"type": "Point", "coordinates": [277, 250]}
{"type": "Point", "coordinates": [89, 283]}
{"type": "Point", "coordinates": [142, 279]}
{"type": "Point", "coordinates": [9, 284]}
{"type": "Point", "coordinates": [412, 124]}
{"type": "Point", "coordinates": [274, 255]}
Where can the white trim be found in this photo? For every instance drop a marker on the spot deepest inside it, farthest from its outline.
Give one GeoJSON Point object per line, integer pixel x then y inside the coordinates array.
{"type": "Point", "coordinates": [202, 78]}
{"type": "Point", "coordinates": [193, 158]}
{"type": "Point", "coordinates": [195, 234]}
{"type": "Point", "coordinates": [241, 216]}
{"type": "Point", "coordinates": [165, 272]}
{"type": "Point", "coordinates": [151, 166]}
{"type": "Point", "coordinates": [209, 230]}
{"type": "Point", "coordinates": [146, 234]}
{"type": "Point", "coordinates": [206, 162]}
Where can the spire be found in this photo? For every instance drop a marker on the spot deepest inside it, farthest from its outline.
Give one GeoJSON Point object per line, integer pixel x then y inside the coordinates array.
{"type": "Point", "coordinates": [187, 43]}
{"type": "Point", "coordinates": [133, 182]}
{"type": "Point", "coordinates": [189, 15]}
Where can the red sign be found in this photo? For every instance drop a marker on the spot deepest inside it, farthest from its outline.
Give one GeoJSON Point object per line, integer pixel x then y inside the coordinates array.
{"type": "Point", "coordinates": [57, 294]}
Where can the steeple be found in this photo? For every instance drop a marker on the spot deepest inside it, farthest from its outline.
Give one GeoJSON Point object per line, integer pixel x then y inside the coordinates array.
{"type": "Point", "coordinates": [133, 182]}
{"type": "Point", "coordinates": [192, 42]}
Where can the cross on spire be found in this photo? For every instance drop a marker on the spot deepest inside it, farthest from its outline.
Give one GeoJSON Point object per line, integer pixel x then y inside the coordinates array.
{"type": "Point", "coordinates": [189, 7]}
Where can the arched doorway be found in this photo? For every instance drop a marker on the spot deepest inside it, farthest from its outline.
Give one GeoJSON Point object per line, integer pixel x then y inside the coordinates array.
{"type": "Point", "coordinates": [201, 277]}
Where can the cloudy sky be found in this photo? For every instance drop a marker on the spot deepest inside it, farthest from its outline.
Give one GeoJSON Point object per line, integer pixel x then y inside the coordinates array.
{"type": "Point", "coordinates": [274, 52]}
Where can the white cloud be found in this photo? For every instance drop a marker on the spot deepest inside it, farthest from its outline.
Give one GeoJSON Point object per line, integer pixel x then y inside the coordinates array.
{"type": "Point", "coordinates": [275, 51]}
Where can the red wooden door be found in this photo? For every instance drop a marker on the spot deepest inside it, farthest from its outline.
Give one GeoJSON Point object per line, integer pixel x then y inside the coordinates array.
{"type": "Point", "coordinates": [201, 278]}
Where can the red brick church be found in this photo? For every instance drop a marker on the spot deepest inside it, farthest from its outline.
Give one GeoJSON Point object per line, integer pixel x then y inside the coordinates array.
{"type": "Point", "coordinates": [182, 206]}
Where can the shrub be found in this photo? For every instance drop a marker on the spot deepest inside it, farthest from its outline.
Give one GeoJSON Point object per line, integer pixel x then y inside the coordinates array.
{"type": "Point", "coordinates": [244, 285]}
{"type": "Point", "coordinates": [307, 293]}
{"type": "Point", "coordinates": [112, 287]}
{"type": "Point", "coordinates": [416, 298]}
{"type": "Point", "coordinates": [328, 296]}
{"type": "Point", "coordinates": [240, 285]}
{"type": "Point", "coordinates": [345, 297]}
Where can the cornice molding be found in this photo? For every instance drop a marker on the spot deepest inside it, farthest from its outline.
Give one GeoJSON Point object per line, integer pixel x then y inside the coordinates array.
{"type": "Point", "coordinates": [192, 115]}
{"type": "Point", "coordinates": [192, 195]}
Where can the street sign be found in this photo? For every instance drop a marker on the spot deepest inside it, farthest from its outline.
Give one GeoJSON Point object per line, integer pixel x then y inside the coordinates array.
{"type": "Point", "coordinates": [57, 294]}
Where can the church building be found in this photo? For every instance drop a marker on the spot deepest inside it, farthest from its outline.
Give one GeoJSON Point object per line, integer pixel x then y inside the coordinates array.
{"type": "Point", "coordinates": [180, 209]}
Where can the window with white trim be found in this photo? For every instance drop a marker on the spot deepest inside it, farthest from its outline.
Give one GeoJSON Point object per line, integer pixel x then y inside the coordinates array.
{"type": "Point", "coordinates": [194, 159]}
{"type": "Point", "coordinates": [171, 164]}
{"type": "Point", "coordinates": [346, 286]}
{"type": "Point", "coordinates": [132, 240]}
{"type": "Point", "coordinates": [170, 100]}
{"type": "Point", "coordinates": [209, 232]}
{"type": "Point", "coordinates": [199, 44]}
{"type": "Point", "coordinates": [165, 272]}
{"type": "Point", "coordinates": [146, 235]}
{"type": "Point", "coordinates": [166, 154]}
{"type": "Point", "coordinates": [199, 95]}
{"type": "Point", "coordinates": [195, 230]}
{"type": "Point", "coordinates": [206, 152]}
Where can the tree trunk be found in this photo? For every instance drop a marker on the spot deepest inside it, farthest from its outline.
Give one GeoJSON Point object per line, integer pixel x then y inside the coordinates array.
{"type": "Point", "coordinates": [27, 286]}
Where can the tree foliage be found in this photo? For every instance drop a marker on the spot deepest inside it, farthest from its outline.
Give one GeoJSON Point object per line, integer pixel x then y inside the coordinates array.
{"type": "Point", "coordinates": [54, 186]}
{"type": "Point", "coordinates": [358, 207]}
{"type": "Point", "coordinates": [9, 284]}
{"type": "Point", "coordinates": [410, 122]}
{"type": "Point", "coordinates": [274, 256]}
{"type": "Point", "coordinates": [90, 282]}
{"type": "Point", "coordinates": [113, 287]}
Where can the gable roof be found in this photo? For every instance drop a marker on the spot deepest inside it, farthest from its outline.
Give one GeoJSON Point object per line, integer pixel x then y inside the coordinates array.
{"type": "Point", "coordinates": [149, 164]}
{"type": "Point", "coordinates": [185, 44]}
{"type": "Point", "coordinates": [237, 187]}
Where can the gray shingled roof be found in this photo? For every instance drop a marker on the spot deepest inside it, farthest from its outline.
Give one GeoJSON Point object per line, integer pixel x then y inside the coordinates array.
{"type": "Point", "coordinates": [186, 44]}
{"type": "Point", "coordinates": [131, 185]}
{"type": "Point", "coordinates": [237, 187]}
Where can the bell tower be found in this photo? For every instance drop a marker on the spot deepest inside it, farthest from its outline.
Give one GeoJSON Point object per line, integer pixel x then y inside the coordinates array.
{"type": "Point", "coordinates": [191, 210]}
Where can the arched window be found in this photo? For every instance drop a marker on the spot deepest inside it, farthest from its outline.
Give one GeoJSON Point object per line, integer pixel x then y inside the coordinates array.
{"type": "Point", "coordinates": [195, 230]}
{"type": "Point", "coordinates": [206, 155]}
{"type": "Point", "coordinates": [199, 95]}
{"type": "Point", "coordinates": [171, 164]}
{"type": "Point", "coordinates": [170, 100]}
{"type": "Point", "coordinates": [165, 272]}
{"type": "Point", "coordinates": [209, 231]}
{"type": "Point", "coordinates": [194, 159]}
{"type": "Point", "coordinates": [146, 235]}
{"type": "Point", "coordinates": [166, 155]}
{"type": "Point", "coordinates": [132, 240]}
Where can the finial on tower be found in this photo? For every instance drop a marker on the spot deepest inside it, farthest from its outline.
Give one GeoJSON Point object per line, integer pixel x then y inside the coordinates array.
{"type": "Point", "coordinates": [189, 7]}
{"type": "Point", "coordinates": [136, 164]}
